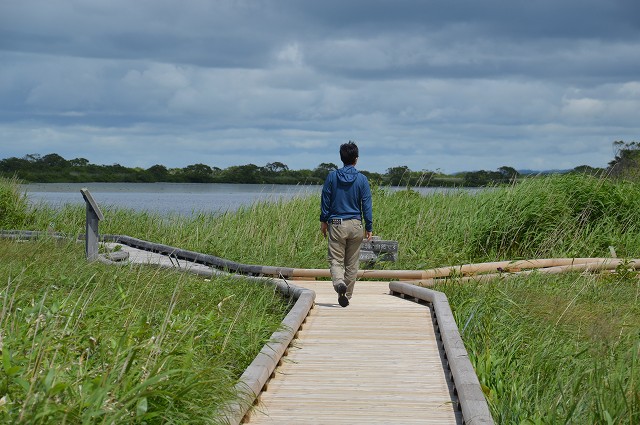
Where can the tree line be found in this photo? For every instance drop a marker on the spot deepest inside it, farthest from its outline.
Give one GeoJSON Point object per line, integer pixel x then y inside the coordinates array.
{"type": "Point", "coordinates": [53, 168]}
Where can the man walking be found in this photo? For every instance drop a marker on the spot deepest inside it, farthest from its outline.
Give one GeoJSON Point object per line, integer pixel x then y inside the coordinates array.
{"type": "Point", "coordinates": [346, 200]}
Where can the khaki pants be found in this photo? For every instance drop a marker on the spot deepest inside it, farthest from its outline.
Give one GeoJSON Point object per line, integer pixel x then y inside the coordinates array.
{"type": "Point", "coordinates": [344, 253]}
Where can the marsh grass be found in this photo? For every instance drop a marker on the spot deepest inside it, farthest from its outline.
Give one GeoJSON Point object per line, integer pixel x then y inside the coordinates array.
{"type": "Point", "coordinates": [91, 343]}
{"type": "Point", "coordinates": [14, 210]}
{"type": "Point", "coordinates": [555, 216]}
{"type": "Point", "coordinates": [572, 215]}
{"type": "Point", "coordinates": [554, 349]}
{"type": "Point", "coordinates": [547, 348]}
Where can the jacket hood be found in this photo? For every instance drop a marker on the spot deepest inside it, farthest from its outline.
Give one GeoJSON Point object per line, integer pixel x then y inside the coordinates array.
{"type": "Point", "coordinates": [347, 174]}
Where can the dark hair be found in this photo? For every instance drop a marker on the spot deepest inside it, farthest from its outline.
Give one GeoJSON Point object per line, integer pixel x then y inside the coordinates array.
{"type": "Point", "coordinates": [349, 153]}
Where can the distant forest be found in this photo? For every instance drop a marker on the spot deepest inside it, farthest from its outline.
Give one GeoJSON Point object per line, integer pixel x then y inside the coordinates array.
{"type": "Point", "coordinates": [53, 168]}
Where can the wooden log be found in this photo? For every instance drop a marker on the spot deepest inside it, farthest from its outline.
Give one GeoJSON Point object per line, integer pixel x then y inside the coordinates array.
{"type": "Point", "coordinates": [601, 265]}
{"type": "Point", "coordinates": [504, 266]}
{"type": "Point", "coordinates": [258, 270]}
{"type": "Point", "coordinates": [450, 271]}
{"type": "Point", "coordinates": [374, 274]}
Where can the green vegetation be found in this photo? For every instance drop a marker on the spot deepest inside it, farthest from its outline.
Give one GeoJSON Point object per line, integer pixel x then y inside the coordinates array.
{"type": "Point", "coordinates": [626, 163]}
{"type": "Point", "coordinates": [548, 216]}
{"type": "Point", "coordinates": [547, 349]}
{"type": "Point", "coordinates": [14, 212]}
{"type": "Point", "coordinates": [54, 168]}
{"type": "Point", "coordinates": [558, 349]}
{"type": "Point", "coordinates": [93, 343]}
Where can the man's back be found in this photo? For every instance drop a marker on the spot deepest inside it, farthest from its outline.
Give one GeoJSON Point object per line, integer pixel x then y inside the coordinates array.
{"type": "Point", "coordinates": [346, 194]}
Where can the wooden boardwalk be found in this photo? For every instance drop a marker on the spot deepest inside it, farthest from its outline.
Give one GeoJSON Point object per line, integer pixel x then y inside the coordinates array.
{"type": "Point", "coordinates": [374, 362]}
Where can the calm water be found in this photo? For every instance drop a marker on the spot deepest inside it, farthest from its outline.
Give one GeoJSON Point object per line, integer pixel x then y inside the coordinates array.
{"type": "Point", "coordinates": [180, 198]}
{"type": "Point", "coordinates": [170, 198]}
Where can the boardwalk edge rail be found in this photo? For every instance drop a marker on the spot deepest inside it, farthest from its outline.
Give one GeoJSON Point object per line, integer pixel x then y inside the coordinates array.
{"type": "Point", "coordinates": [472, 402]}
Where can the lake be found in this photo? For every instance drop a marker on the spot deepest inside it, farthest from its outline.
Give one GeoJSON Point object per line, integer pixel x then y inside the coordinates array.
{"type": "Point", "coordinates": [172, 198]}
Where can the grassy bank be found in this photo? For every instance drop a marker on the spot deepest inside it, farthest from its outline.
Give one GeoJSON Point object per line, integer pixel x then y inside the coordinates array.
{"type": "Point", "coordinates": [548, 349]}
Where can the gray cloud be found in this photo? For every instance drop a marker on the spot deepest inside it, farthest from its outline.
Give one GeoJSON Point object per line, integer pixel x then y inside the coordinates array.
{"type": "Point", "coordinates": [451, 86]}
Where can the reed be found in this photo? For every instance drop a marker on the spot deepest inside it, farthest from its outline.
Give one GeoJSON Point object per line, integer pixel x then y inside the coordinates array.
{"type": "Point", "coordinates": [14, 208]}
{"type": "Point", "coordinates": [556, 216]}
{"type": "Point", "coordinates": [547, 349]}
{"type": "Point", "coordinates": [560, 349]}
{"type": "Point", "coordinates": [569, 215]}
{"type": "Point", "coordinates": [92, 343]}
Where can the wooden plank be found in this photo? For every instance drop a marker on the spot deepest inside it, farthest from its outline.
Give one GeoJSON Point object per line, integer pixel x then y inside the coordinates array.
{"type": "Point", "coordinates": [91, 203]}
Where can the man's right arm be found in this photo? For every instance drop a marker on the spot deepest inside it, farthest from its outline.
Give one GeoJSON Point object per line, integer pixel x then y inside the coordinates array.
{"type": "Point", "coordinates": [325, 200]}
{"type": "Point", "coordinates": [325, 204]}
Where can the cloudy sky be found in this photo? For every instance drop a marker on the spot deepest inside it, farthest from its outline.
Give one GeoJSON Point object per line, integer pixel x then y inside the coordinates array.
{"type": "Point", "coordinates": [435, 85]}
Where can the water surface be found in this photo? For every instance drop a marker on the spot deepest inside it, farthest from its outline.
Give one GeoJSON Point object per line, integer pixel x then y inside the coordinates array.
{"type": "Point", "coordinates": [165, 198]}
{"type": "Point", "coordinates": [176, 198]}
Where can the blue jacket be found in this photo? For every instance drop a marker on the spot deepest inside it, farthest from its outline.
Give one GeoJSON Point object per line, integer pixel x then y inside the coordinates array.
{"type": "Point", "coordinates": [346, 194]}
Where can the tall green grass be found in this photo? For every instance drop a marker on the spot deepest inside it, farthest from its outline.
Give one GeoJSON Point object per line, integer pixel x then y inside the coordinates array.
{"type": "Point", "coordinates": [548, 349]}
{"type": "Point", "coordinates": [93, 343]}
{"type": "Point", "coordinates": [555, 216]}
{"type": "Point", "coordinates": [572, 215]}
{"type": "Point", "coordinates": [14, 208]}
{"type": "Point", "coordinates": [554, 349]}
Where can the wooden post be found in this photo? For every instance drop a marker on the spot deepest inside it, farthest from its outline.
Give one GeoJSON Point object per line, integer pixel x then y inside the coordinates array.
{"type": "Point", "coordinates": [94, 215]}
